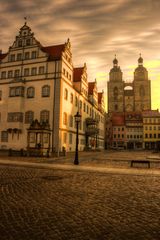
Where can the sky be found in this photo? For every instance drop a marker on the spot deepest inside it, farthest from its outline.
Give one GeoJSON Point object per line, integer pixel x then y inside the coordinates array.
{"type": "Point", "coordinates": [97, 29]}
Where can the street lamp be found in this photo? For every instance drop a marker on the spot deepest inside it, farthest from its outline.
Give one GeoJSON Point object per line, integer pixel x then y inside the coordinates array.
{"type": "Point", "coordinates": [77, 120]}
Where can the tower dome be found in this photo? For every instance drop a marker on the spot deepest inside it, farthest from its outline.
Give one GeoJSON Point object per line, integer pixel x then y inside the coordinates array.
{"type": "Point", "coordinates": [115, 73]}
{"type": "Point", "coordinates": [140, 60]}
{"type": "Point", "coordinates": [115, 61]}
{"type": "Point", "coordinates": [140, 72]}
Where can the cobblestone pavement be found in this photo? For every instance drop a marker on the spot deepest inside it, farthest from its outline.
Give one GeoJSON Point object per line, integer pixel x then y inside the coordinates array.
{"type": "Point", "coordinates": [50, 204]}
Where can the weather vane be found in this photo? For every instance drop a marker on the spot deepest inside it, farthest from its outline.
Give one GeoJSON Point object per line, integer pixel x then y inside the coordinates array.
{"type": "Point", "coordinates": [25, 18]}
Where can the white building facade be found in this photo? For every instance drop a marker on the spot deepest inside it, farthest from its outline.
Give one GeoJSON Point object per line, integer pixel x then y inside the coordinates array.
{"type": "Point", "coordinates": [38, 82]}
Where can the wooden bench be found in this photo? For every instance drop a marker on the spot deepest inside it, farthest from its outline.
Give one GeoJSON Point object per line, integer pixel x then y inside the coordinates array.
{"type": "Point", "coordinates": [140, 161]}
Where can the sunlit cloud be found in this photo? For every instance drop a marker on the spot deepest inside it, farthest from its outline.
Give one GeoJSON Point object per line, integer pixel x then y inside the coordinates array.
{"type": "Point", "coordinates": [97, 29]}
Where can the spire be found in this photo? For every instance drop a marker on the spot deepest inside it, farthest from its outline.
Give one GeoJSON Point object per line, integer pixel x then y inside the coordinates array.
{"type": "Point", "coordinates": [140, 60]}
{"type": "Point", "coordinates": [25, 18]}
{"type": "Point", "coordinates": [115, 62]}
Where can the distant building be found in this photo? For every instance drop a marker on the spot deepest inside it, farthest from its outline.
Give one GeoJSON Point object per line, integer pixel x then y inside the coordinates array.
{"type": "Point", "coordinates": [151, 129]}
{"type": "Point", "coordinates": [130, 122]}
{"type": "Point", "coordinates": [40, 92]}
{"type": "Point", "coordinates": [129, 97]}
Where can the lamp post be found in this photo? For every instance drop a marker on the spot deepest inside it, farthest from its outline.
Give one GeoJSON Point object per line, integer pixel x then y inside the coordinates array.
{"type": "Point", "coordinates": [77, 120]}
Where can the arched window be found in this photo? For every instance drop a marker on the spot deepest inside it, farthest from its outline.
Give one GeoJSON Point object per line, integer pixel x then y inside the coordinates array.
{"type": "Point", "coordinates": [29, 116]}
{"type": "Point", "coordinates": [115, 93]}
{"type": "Point", "coordinates": [71, 98]}
{"type": "Point", "coordinates": [65, 94]}
{"type": "Point", "coordinates": [46, 91]}
{"type": "Point", "coordinates": [44, 116]}
{"type": "Point", "coordinates": [76, 101]}
{"type": "Point", "coordinates": [65, 118]}
{"type": "Point", "coordinates": [142, 91]}
{"type": "Point", "coordinates": [30, 92]}
{"type": "Point", "coordinates": [71, 121]}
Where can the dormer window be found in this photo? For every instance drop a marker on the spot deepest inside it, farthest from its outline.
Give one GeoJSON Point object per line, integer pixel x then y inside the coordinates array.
{"type": "Point", "coordinates": [34, 54]}
{"type": "Point", "coordinates": [20, 43]}
{"type": "Point", "coordinates": [28, 42]}
{"type": "Point", "coordinates": [19, 56]}
{"type": "Point", "coordinates": [12, 57]}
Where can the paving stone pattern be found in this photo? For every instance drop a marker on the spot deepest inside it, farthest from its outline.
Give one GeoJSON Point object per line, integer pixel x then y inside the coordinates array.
{"type": "Point", "coordinates": [41, 204]}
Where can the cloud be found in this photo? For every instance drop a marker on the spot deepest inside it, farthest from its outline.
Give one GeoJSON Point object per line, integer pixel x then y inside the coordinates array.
{"type": "Point", "coordinates": [97, 30]}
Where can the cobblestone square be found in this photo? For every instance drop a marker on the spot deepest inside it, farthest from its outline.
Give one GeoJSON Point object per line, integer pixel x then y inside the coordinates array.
{"type": "Point", "coordinates": [39, 204]}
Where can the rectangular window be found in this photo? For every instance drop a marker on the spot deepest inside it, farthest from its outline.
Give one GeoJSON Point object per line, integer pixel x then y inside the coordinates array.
{"type": "Point", "coordinates": [4, 136]}
{"type": "Point", "coordinates": [34, 54]}
{"type": "Point", "coordinates": [19, 56]}
{"type": "Point", "coordinates": [12, 57]}
{"type": "Point", "coordinates": [150, 135]}
{"type": "Point", "coordinates": [16, 91]}
{"type": "Point", "coordinates": [26, 55]}
{"type": "Point", "coordinates": [146, 135]}
{"type": "Point", "coordinates": [3, 75]}
{"type": "Point", "coordinates": [41, 70]}
{"type": "Point", "coordinates": [0, 95]}
{"type": "Point", "coordinates": [15, 117]}
{"type": "Point", "coordinates": [16, 73]}
{"type": "Point", "coordinates": [28, 42]}
{"type": "Point", "coordinates": [34, 71]}
{"type": "Point", "coordinates": [10, 74]}
{"type": "Point", "coordinates": [26, 72]}
{"type": "Point", "coordinates": [155, 135]}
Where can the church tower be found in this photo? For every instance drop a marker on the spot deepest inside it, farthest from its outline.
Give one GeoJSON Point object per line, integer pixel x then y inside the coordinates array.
{"type": "Point", "coordinates": [115, 89]}
{"type": "Point", "coordinates": [142, 88]}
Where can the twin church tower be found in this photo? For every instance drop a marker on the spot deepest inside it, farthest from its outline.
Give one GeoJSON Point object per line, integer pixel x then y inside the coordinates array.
{"type": "Point", "coordinates": [129, 97]}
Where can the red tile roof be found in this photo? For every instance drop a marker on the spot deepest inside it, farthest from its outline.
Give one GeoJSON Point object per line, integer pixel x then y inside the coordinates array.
{"type": "Point", "coordinates": [77, 73]}
{"type": "Point", "coordinates": [55, 52]}
{"type": "Point", "coordinates": [3, 55]}
{"type": "Point", "coordinates": [91, 87]}
{"type": "Point", "coordinates": [150, 113]}
{"type": "Point", "coordinates": [118, 119]}
{"type": "Point", "coordinates": [100, 97]}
